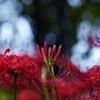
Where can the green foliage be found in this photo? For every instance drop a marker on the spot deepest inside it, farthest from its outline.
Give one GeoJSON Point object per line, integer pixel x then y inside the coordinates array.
{"type": "Point", "coordinates": [4, 95]}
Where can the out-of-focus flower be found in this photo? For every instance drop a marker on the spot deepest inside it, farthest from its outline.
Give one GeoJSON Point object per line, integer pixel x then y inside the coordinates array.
{"type": "Point", "coordinates": [93, 38]}
{"type": "Point", "coordinates": [29, 95]}
{"type": "Point", "coordinates": [94, 75]}
{"type": "Point", "coordinates": [90, 80]}
{"type": "Point", "coordinates": [48, 54]}
{"type": "Point", "coordinates": [22, 66]}
{"type": "Point", "coordinates": [69, 90]}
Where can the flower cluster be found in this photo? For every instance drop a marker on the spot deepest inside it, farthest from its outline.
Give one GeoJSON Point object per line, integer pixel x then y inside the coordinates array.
{"type": "Point", "coordinates": [93, 38]}
{"type": "Point", "coordinates": [55, 76]}
{"type": "Point", "coordinates": [69, 90]}
{"type": "Point", "coordinates": [48, 54]}
{"type": "Point", "coordinates": [22, 66]}
{"type": "Point", "coordinates": [90, 80]}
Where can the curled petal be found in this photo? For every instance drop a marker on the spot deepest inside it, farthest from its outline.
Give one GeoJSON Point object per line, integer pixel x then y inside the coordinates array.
{"type": "Point", "coordinates": [43, 54]}
{"type": "Point", "coordinates": [39, 50]}
{"type": "Point", "coordinates": [49, 52]}
{"type": "Point", "coordinates": [53, 51]}
{"type": "Point", "coordinates": [7, 51]}
{"type": "Point", "coordinates": [46, 49]}
{"type": "Point", "coordinates": [58, 52]}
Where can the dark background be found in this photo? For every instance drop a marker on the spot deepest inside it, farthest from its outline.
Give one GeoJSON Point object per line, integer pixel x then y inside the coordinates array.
{"type": "Point", "coordinates": [59, 18]}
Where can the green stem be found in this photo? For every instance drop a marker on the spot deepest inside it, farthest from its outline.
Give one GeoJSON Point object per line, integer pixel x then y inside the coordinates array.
{"type": "Point", "coordinates": [14, 87]}
{"type": "Point", "coordinates": [46, 92]}
{"type": "Point", "coordinates": [45, 88]}
{"type": "Point", "coordinates": [53, 77]}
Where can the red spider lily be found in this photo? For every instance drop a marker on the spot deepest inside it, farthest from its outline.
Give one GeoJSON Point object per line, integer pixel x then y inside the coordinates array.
{"type": "Point", "coordinates": [76, 75]}
{"type": "Point", "coordinates": [23, 66]}
{"type": "Point", "coordinates": [93, 39]}
{"type": "Point", "coordinates": [62, 72]}
{"type": "Point", "coordinates": [89, 79]}
{"type": "Point", "coordinates": [29, 95]}
{"type": "Point", "coordinates": [48, 54]}
{"type": "Point", "coordinates": [94, 76]}
{"type": "Point", "coordinates": [4, 62]}
{"type": "Point", "coordinates": [69, 90]}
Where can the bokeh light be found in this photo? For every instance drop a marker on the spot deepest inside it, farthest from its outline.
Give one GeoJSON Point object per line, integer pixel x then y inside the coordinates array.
{"type": "Point", "coordinates": [27, 2]}
{"type": "Point", "coordinates": [51, 38]}
{"type": "Point", "coordinates": [75, 3]}
{"type": "Point", "coordinates": [15, 29]}
{"type": "Point", "coordinates": [82, 54]}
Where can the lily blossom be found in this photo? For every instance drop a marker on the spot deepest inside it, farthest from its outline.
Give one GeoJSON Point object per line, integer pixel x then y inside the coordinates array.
{"type": "Point", "coordinates": [48, 54]}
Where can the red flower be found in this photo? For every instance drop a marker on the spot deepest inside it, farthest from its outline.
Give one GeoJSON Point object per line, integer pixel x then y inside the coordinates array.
{"type": "Point", "coordinates": [89, 79]}
{"type": "Point", "coordinates": [94, 76]}
{"type": "Point", "coordinates": [48, 54]}
{"type": "Point", "coordinates": [29, 95]}
{"type": "Point", "coordinates": [69, 90]}
{"type": "Point", "coordinates": [23, 66]}
{"type": "Point", "coordinates": [92, 38]}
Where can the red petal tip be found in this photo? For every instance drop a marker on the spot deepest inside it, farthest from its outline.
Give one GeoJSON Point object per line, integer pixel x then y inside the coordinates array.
{"type": "Point", "coordinates": [7, 51]}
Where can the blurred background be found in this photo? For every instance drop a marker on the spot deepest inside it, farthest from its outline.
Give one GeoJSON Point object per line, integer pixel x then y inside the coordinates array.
{"type": "Point", "coordinates": [25, 23]}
